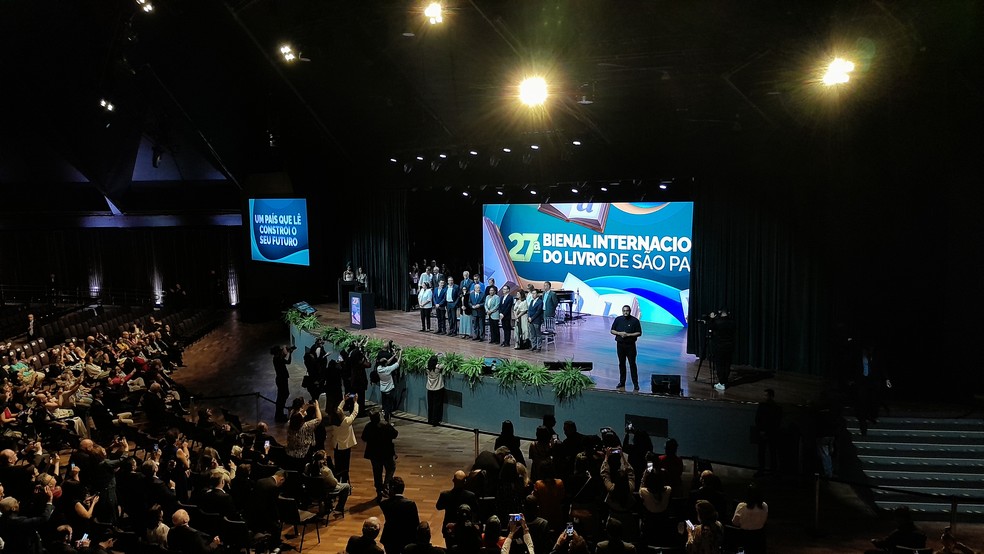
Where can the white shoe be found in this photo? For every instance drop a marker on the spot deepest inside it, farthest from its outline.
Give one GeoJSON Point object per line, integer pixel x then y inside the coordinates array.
{"type": "Point", "coordinates": [719, 386]}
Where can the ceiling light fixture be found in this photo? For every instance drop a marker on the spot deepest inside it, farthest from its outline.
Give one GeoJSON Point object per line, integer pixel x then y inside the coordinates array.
{"type": "Point", "coordinates": [433, 13]}
{"type": "Point", "coordinates": [499, 192]}
{"type": "Point", "coordinates": [442, 156]}
{"type": "Point", "coordinates": [604, 189]}
{"type": "Point", "coordinates": [507, 150]}
{"type": "Point", "coordinates": [533, 192]}
{"type": "Point", "coordinates": [838, 72]}
{"type": "Point", "coordinates": [145, 5]}
{"type": "Point", "coordinates": [533, 91]}
{"type": "Point", "coordinates": [574, 190]}
{"type": "Point", "coordinates": [534, 146]}
{"type": "Point", "coordinates": [107, 105]}
{"type": "Point", "coordinates": [576, 142]}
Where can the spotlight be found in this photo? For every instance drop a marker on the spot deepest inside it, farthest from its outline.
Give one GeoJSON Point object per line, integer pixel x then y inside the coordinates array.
{"type": "Point", "coordinates": [533, 192]}
{"type": "Point", "coordinates": [107, 105]}
{"type": "Point", "coordinates": [574, 190]}
{"type": "Point", "coordinates": [145, 5]}
{"type": "Point", "coordinates": [433, 13]}
{"type": "Point", "coordinates": [838, 72]}
{"type": "Point", "coordinates": [420, 158]}
{"type": "Point", "coordinates": [464, 193]}
{"type": "Point", "coordinates": [473, 152]}
{"type": "Point", "coordinates": [533, 91]}
{"type": "Point", "coordinates": [442, 156]}
{"type": "Point", "coordinates": [534, 146]}
{"type": "Point", "coordinates": [507, 150]}
{"type": "Point", "coordinates": [393, 160]}
{"type": "Point", "coordinates": [662, 186]}
{"type": "Point", "coordinates": [499, 192]}
{"type": "Point", "coordinates": [576, 142]}
{"type": "Point", "coordinates": [604, 189]}
{"type": "Point", "coordinates": [287, 51]}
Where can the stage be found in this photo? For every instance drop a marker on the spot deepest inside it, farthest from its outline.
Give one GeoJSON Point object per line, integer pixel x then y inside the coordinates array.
{"type": "Point", "coordinates": [662, 349]}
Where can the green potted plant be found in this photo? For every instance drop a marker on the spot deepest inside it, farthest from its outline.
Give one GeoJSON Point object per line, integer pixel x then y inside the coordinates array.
{"type": "Point", "coordinates": [450, 362]}
{"type": "Point", "coordinates": [534, 374]}
{"type": "Point", "coordinates": [471, 370]}
{"type": "Point", "coordinates": [415, 359]}
{"type": "Point", "coordinates": [569, 382]}
{"type": "Point", "coordinates": [508, 374]}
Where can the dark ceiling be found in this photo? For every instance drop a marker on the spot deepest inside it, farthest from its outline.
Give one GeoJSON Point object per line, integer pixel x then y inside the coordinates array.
{"type": "Point", "coordinates": [678, 88]}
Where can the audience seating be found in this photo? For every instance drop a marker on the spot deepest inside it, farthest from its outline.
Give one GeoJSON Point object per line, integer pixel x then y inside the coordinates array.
{"type": "Point", "coordinates": [292, 515]}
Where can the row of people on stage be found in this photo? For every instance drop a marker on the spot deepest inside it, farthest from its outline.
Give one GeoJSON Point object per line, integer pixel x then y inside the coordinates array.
{"type": "Point", "coordinates": [468, 309]}
{"type": "Point", "coordinates": [359, 276]}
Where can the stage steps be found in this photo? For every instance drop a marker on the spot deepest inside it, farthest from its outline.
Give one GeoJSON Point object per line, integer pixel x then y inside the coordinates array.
{"type": "Point", "coordinates": [937, 456]}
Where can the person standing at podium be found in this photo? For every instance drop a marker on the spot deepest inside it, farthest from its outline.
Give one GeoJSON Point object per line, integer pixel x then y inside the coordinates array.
{"type": "Point", "coordinates": [348, 274]}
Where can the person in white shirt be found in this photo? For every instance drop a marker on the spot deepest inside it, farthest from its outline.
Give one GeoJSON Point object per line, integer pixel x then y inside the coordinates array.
{"type": "Point", "coordinates": [435, 391]}
{"type": "Point", "coordinates": [387, 387]}
{"type": "Point", "coordinates": [751, 514]}
{"type": "Point", "coordinates": [425, 300]}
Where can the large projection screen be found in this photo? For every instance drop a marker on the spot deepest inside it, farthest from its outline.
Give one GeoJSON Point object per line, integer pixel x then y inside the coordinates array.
{"type": "Point", "coordinates": [278, 230]}
{"type": "Point", "coordinates": [609, 255]}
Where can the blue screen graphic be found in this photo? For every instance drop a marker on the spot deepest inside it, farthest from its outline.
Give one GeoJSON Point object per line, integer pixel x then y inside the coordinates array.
{"type": "Point", "coordinates": [607, 255]}
{"type": "Point", "coordinates": [278, 230]}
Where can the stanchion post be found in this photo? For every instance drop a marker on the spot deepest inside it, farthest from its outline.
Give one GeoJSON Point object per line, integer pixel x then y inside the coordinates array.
{"type": "Point", "coordinates": [816, 502]}
{"type": "Point", "coordinates": [476, 442]}
{"type": "Point", "coordinates": [953, 514]}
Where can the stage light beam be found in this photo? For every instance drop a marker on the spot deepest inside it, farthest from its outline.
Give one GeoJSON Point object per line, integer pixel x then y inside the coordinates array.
{"type": "Point", "coordinates": [838, 72]}
{"type": "Point", "coordinates": [433, 13]}
{"type": "Point", "coordinates": [533, 91]}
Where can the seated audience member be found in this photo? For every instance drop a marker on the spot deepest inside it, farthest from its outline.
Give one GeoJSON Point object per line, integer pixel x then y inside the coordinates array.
{"type": "Point", "coordinates": [570, 544]}
{"type": "Point", "coordinates": [491, 539]}
{"type": "Point", "coordinates": [752, 513]}
{"type": "Point", "coordinates": [21, 533]}
{"type": "Point", "coordinates": [366, 542]}
{"type": "Point", "coordinates": [707, 534]}
{"type": "Point", "coordinates": [614, 543]}
{"type": "Point", "coordinates": [711, 490]}
{"type": "Point", "coordinates": [186, 539]}
{"type": "Point", "coordinates": [318, 467]}
{"type": "Point", "coordinates": [157, 530]}
{"type": "Point", "coordinates": [464, 534]}
{"type": "Point", "coordinates": [905, 534]}
{"type": "Point", "coordinates": [422, 542]}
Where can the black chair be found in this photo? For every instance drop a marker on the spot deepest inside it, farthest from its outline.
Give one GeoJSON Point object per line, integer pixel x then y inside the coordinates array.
{"type": "Point", "coordinates": [209, 523]}
{"type": "Point", "coordinates": [316, 493]}
{"type": "Point", "coordinates": [236, 537]}
{"type": "Point", "coordinates": [292, 515]}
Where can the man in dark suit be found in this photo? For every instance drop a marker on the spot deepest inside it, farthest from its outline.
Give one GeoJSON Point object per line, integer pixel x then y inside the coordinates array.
{"type": "Point", "coordinates": [186, 539]}
{"type": "Point", "coordinates": [477, 302]}
{"type": "Point", "coordinates": [153, 490]}
{"type": "Point", "coordinates": [452, 297]}
{"type": "Point", "coordinates": [505, 310]}
{"type": "Point", "coordinates": [401, 518]}
{"type": "Point", "coordinates": [441, 306]}
{"type": "Point", "coordinates": [550, 302]}
{"type": "Point", "coordinates": [450, 500]}
{"type": "Point", "coordinates": [217, 501]}
{"type": "Point", "coordinates": [867, 379]}
{"type": "Point", "coordinates": [262, 514]}
{"type": "Point", "coordinates": [536, 321]}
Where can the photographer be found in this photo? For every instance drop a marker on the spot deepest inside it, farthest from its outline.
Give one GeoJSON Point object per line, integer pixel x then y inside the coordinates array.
{"type": "Point", "coordinates": [386, 364]}
{"type": "Point", "coordinates": [281, 359]}
{"type": "Point", "coordinates": [722, 327]}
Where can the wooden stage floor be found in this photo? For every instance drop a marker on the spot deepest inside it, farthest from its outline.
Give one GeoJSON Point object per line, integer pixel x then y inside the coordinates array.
{"type": "Point", "coordinates": [661, 349]}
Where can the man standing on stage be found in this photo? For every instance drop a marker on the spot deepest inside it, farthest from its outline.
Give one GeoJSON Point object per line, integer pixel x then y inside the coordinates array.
{"type": "Point", "coordinates": [549, 307]}
{"type": "Point", "coordinates": [535, 314]}
{"type": "Point", "coordinates": [441, 306]}
{"type": "Point", "coordinates": [452, 296]}
{"type": "Point", "coordinates": [506, 310]}
{"type": "Point", "coordinates": [627, 329]}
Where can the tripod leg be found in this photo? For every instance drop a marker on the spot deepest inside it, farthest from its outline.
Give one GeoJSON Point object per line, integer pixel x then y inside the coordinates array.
{"type": "Point", "coordinates": [701, 363]}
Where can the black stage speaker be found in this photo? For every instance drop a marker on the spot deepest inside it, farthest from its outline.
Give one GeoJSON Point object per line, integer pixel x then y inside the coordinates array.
{"type": "Point", "coordinates": [557, 366]}
{"type": "Point", "coordinates": [666, 384]}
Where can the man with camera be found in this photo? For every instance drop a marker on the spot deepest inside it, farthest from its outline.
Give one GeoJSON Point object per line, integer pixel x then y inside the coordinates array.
{"type": "Point", "coordinates": [281, 359]}
{"type": "Point", "coordinates": [386, 363]}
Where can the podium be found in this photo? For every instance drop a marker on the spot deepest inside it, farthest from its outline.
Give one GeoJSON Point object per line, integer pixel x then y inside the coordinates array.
{"type": "Point", "coordinates": [363, 308]}
{"type": "Point", "coordinates": [344, 288]}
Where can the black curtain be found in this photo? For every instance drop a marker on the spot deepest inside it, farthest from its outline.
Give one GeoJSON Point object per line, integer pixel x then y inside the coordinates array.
{"type": "Point", "coordinates": [379, 243]}
{"type": "Point", "coordinates": [120, 259]}
{"type": "Point", "coordinates": [753, 257]}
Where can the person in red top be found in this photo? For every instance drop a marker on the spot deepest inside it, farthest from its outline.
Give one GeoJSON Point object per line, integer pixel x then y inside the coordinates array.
{"type": "Point", "coordinates": [672, 465]}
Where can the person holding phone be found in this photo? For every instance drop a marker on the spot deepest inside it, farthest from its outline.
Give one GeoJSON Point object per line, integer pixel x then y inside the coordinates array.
{"type": "Point", "coordinates": [706, 535]}
{"type": "Point", "coordinates": [387, 386]}
{"type": "Point", "coordinates": [517, 523]}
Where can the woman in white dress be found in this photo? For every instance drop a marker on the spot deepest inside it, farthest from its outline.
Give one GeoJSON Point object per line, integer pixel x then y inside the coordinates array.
{"type": "Point", "coordinates": [519, 317]}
